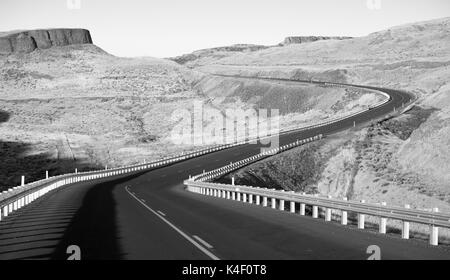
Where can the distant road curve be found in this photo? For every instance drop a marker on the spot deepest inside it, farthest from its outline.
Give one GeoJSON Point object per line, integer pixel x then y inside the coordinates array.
{"type": "Point", "coordinates": [150, 216]}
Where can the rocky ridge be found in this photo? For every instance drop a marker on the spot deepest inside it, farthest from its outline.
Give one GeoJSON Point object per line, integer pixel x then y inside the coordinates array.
{"type": "Point", "coordinates": [28, 41]}
{"type": "Point", "coordinates": [309, 39]}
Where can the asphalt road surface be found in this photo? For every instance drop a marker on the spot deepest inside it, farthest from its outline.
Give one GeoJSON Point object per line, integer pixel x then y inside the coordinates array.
{"type": "Point", "coordinates": [150, 216]}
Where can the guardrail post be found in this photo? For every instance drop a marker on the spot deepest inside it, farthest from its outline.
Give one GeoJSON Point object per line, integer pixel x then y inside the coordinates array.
{"type": "Point", "coordinates": [22, 183]}
{"type": "Point", "coordinates": [405, 228]}
{"type": "Point", "coordinates": [46, 174]}
{"type": "Point", "coordinates": [250, 198]}
{"type": "Point", "coordinates": [228, 195]}
{"type": "Point", "coordinates": [232, 181]}
{"type": "Point", "coordinates": [315, 213]}
{"type": "Point", "coordinates": [292, 207]}
{"type": "Point", "coordinates": [238, 196]}
{"type": "Point", "coordinates": [361, 218]}
{"type": "Point", "coordinates": [434, 232]}
{"type": "Point", "coordinates": [344, 215]}
{"type": "Point", "coordinates": [244, 197]}
{"type": "Point", "coordinates": [327, 214]}
{"type": "Point", "coordinates": [302, 209]}
{"type": "Point", "coordinates": [383, 221]}
{"type": "Point", "coordinates": [258, 200]}
{"type": "Point", "coordinates": [274, 203]}
{"type": "Point", "coordinates": [281, 208]}
{"type": "Point", "coordinates": [76, 170]}
{"type": "Point", "coordinates": [264, 201]}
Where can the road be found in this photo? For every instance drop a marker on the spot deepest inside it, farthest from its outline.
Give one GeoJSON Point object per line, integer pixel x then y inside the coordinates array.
{"type": "Point", "coordinates": [150, 216]}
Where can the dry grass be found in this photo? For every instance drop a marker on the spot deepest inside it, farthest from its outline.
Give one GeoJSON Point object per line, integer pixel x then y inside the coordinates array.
{"type": "Point", "coordinates": [78, 106]}
{"type": "Point", "coordinates": [405, 160]}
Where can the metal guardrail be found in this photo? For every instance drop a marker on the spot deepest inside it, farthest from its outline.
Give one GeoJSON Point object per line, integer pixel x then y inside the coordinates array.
{"type": "Point", "coordinates": [16, 193]}
{"type": "Point", "coordinates": [18, 197]}
{"type": "Point", "coordinates": [199, 184]}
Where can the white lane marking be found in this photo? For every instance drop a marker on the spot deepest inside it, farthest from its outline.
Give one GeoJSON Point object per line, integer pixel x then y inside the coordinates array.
{"type": "Point", "coordinates": [206, 244]}
{"type": "Point", "coordinates": [195, 243]}
{"type": "Point", "coordinates": [161, 213]}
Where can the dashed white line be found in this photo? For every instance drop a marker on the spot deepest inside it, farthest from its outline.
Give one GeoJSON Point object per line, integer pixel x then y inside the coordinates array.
{"type": "Point", "coordinates": [195, 243]}
{"type": "Point", "coordinates": [161, 213]}
{"type": "Point", "coordinates": [206, 244]}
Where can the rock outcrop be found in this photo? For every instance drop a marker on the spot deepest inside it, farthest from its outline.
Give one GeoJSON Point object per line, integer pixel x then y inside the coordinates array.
{"type": "Point", "coordinates": [28, 41]}
{"type": "Point", "coordinates": [309, 39]}
{"type": "Point", "coordinates": [217, 52]}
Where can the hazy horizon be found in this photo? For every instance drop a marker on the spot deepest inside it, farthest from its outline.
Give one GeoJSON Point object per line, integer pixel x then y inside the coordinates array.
{"type": "Point", "coordinates": [169, 28]}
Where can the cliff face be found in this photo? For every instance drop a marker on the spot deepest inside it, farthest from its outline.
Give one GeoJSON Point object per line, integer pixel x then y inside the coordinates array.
{"type": "Point", "coordinates": [28, 41]}
{"type": "Point", "coordinates": [308, 39]}
{"type": "Point", "coordinates": [216, 52]}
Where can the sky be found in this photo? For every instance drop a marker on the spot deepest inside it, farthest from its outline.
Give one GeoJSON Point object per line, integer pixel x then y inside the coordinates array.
{"type": "Point", "coordinates": [166, 28]}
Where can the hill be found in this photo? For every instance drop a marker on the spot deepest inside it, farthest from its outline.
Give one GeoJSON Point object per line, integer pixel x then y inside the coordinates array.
{"type": "Point", "coordinates": [76, 106]}
{"type": "Point", "coordinates": [404, 160]}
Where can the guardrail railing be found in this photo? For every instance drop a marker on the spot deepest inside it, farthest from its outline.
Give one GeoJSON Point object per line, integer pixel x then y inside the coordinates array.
{"type": "Point", "coordinates": [15, 198]}
{"type": "Point", "coordinates": [200, 184]}
{"type": "Point", "coordinates": [276, 199]}
{"type": "Point", "coordinates": [18, 197]}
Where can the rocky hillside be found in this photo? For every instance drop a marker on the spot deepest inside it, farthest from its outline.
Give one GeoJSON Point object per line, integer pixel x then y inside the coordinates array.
{"type": "Point", "coordinates": [77, 106]}
{"type": "Point", "coordinates": [66, 106]}
{"type": "Point", "coordinates": [404, 160]}
{"type": "Point", "coordinates": [202, 56]}
{"type": "Point", "coordinates": [28, 41]}
{"type": "Point", "coordinates": [309, 39]}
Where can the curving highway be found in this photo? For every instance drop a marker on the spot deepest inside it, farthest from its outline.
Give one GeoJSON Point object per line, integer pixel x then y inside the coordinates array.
{"type": "Point", "coordinates": [149, 215]}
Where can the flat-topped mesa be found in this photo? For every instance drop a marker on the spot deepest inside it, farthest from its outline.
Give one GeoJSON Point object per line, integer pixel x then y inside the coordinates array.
{"type": "Point", "coordinates": [309, 39]}
{"type": "Point", "coordinates": [28, 41]}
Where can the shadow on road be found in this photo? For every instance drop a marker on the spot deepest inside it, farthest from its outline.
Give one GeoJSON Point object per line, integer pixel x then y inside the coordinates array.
{"type": "Point", "coordinates": [16, 161]}
{"type": "Point", "coordinates": [94, 227]}
{"type": "Point", "coordinates": [81, 215]}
